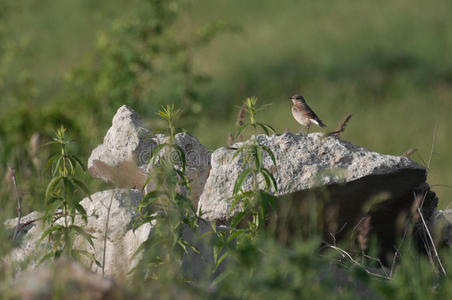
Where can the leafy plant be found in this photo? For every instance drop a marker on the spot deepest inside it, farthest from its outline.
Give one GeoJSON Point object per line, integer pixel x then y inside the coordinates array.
{"type": "Point", "coordinates": [63, 203]}
{"type": "Point", "coordinates": [255, 202]}
{"type": "Point", "coordinates": [168, 207]}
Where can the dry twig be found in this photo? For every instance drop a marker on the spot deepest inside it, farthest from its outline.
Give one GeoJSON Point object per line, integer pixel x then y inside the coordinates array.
{"type": "Point", "coordinates": [409, 152]}
{"type": "Point", "coordinates": [12, 173]}
{"type": "Point", "coordinates": [107, 224]}
{"type": "Point", "coordinates": [230, 139]}
{"type": "Point", "coordinates": [341, 126]}
{"type": "Point", "coordinates": [345, 254]}
{"type": "Point", "coordinates": [241, 115]}
{"type": "Point", "coordinates": [436, 256]}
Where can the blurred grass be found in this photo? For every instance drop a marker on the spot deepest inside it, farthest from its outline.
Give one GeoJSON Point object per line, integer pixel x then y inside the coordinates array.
{"type": "Point", "coordinates": [388, 63]}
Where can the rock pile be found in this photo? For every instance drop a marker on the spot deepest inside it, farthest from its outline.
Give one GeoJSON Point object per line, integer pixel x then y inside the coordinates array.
{"type": "Point", "coordinates": [355, 190]}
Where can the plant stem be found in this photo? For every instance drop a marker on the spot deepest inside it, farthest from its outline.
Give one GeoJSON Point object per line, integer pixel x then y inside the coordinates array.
{"type": "Point", "coordinates": [106, 233]}
{"type": "Point", "coordinates": [12, 172]}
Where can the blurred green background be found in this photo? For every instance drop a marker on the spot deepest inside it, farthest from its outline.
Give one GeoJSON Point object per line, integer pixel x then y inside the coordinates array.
{"type": "Point", "coordinates": [74, 62]}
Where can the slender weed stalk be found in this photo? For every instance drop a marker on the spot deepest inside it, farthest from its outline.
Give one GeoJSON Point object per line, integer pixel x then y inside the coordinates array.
{"type": "Point", "coordinates": [168, 207]}
{"type": "Point", "coordinates": [63, 204]}
{"type": "Point", "coordinates": [255, 202]}
{"type": "Point", "coordinates": [12, 173]}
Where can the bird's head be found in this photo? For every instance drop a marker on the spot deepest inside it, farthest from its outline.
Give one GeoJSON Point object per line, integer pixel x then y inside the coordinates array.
{"type": "Point", "coordinates": [297, 99]}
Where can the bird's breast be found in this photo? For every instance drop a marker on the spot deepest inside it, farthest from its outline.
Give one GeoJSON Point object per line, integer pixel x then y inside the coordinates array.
{"type": "Point", "coordinates": [299, 117]}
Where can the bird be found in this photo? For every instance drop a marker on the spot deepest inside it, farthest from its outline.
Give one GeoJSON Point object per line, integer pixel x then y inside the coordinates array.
{"type": "Point", "coordinates": [303, 114]}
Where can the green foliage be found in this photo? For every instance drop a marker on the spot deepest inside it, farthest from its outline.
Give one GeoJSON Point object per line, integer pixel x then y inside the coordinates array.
{"type": "Point", "coordinates": [266, 270]}
{"type": "Point", "coordinates": [254, 201]}
{"type": "Point", "coordinates": [63, 203]}
{"type": "Point", "coordinates": [168, 207]}
{"type": "Point", "coordinates": [144, 59]}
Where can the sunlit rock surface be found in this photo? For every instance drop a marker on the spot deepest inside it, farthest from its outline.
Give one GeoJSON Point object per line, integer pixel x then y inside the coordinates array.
{"type": "Point", "coordinates": [123, 158]}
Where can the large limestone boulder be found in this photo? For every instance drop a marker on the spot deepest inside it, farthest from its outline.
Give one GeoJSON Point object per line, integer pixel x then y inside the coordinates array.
{"type": "Point", "coordinates": [354, 192]}
{"type": "Point", "coordinates": [302, 162]}
{"type": "Point", "coordinates": [123, 158]}
{"type": "Point", "coordinates": [111, 215]}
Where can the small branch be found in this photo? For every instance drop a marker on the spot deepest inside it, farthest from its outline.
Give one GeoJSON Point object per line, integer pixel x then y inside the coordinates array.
{"type": "Point", "coordinates": [443, 271]}
{"type": "Point", "coordinates": [341, 126]}
{"type": "Point", "coordinates": [12, 173]}
{"type": "Point", "coordinates": [397, 254]}
{"type": "Point", "coordinates": [409, 152]}
{"type": "Point", "coordinates": [230, 139]}
{"type": "Point", "coordinates": [345, 254]}
{"type": "Point", "coordinates": [433, 146]}
{"type": "Point", "coordinates": [106, 232]}
{"type": "Point", "coordinates": [382, 267]}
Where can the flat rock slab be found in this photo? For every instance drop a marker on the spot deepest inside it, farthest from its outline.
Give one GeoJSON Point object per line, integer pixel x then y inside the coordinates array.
{"type": "Point", "coordinates": [123, 157]}
{"type": "Point", "coordinates": [302, 162]}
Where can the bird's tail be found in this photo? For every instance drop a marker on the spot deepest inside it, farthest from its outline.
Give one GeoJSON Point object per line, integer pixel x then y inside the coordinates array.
{"type": "Point", "coordinates": [321, 124]}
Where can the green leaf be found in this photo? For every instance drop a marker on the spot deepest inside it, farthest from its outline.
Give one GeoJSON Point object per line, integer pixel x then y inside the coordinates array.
{"type": "Point", "coordinates": [181, 156]}
{"type": "Point", "coordinates": [146, 182]}
{"type": "Point", "coordinates": [185, 244]}
{"type": "Point", "coordinates": [267, 200]}
{"type": "Point", "coordinates": [219, 261]}
{"type": "Point", "coordinates": [56, 166]}
{"type": "Point", "coordinates": [266, 128]}
{"type": "Point", "coordinates": [68, 187]}
{"type": "Point", "coordinates": [236, 200]}
{"type": "Point", "coordinates": [51, 160]}
{"type": "Point", "coordinates": [155, 152]}
{"type": "Point", "coordinates": [258, 158]}
{"type": "Point", "coordinates": [46, 257]}
{"type": "Point", "coordinates": [52, 208]}
{"type": "Point", "coordinates": [81, 186]}
{"type": "Point", "coordinates": [79, 162]}
{"type": "Point", "coordinates": [241, 180]}
{"type": "Point", "coordinates": [143, 246]}
{"type": "Point", "coordinates": [236, 233]}
{"type": "Point", "coordinates": [55, 227]}
{"type": "Point", "coordinates": [238, 218]}
{"type": "Point", "coordinates": [70, 162]}
{"type": "Point", "coordinates": [161, 130]}
{"type": "Point", "coordinates": [270, 153]}
{"type": "Point", "coordinates": [52, 184]}
{"type": "Point", "coordinates": [81, 211]}
{"type": "Point", "coordinates": [83, 233]}
{"type": "Point", "coordinates": [266, 173]}
{"type": "Point", "coordinates": [241, 129]}
{"type": "Point", "coordinates": [263, 128]}
{"type": "Point", "coordinates": [183, 177]}
{"type": "Point", "coordinates": [240, 150]}
{"type": "Point", "coordinates": [77, 253]}
{"type": "Point", "coordinates": [151, 197]}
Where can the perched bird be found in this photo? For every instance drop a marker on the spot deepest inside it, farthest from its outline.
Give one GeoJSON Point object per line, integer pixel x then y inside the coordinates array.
{"type": "Point", "coordinates": [303, 113]}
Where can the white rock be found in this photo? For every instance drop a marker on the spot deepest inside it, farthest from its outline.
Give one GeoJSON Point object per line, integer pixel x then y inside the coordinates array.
{"type": "Point", "coordinates": [117, 209]}
{"type": "Point", "coordinates": [302, 162]}
{"type": "Point", "coordinates": [112, 211]}
{"type": "Point", "coordinates": [123, 158]}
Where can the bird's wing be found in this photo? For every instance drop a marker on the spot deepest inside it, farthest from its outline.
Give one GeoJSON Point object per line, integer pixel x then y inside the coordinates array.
{"type": "Point", "coordinates": [310, 114]}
